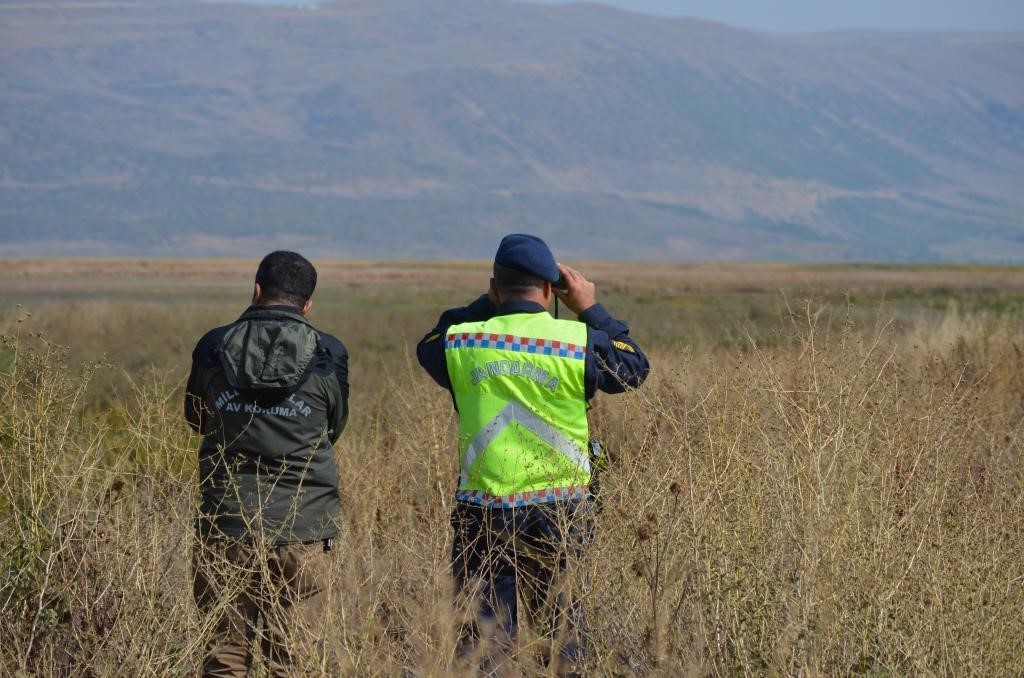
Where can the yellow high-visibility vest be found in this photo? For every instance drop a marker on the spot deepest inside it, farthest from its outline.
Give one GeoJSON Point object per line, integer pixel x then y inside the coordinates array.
{"type": "Point", "coordinates": [518, 385]}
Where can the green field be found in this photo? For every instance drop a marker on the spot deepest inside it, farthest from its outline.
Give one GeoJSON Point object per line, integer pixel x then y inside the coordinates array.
{"type": "Point", "coordinates": [823, 475]}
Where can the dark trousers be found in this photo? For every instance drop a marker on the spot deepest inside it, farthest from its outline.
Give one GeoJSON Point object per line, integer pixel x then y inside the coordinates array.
{"type": "Point", "coordinates": [236, 586]}
{"type": "Point", "coordinates": [516, 565]}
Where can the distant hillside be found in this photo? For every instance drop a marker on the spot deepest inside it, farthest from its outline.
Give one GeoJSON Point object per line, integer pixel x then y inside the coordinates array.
{"type": "Point", "coordinates": [427, 128]}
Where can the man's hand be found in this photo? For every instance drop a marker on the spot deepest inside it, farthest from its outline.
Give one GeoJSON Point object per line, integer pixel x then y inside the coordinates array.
{"type": "Point", "coordinates": [579, 294]}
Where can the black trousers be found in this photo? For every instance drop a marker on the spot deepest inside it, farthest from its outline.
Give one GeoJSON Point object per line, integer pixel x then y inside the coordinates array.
{"type": "Point", "coordinates": [516, 565]}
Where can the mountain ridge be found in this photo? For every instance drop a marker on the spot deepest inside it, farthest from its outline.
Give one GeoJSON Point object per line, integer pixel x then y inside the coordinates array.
{"type": "Point", "coordinates": [401, 128]}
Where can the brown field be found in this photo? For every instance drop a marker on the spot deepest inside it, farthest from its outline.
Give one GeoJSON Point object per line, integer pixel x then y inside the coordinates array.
{"type": "Point", "coordinates": [824, 474]}
{"type": "Point", "coordinates": [55, 275]}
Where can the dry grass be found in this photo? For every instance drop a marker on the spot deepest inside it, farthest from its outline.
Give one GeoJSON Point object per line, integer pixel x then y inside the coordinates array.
{"type": "Point", "coordinates": [829, 489]}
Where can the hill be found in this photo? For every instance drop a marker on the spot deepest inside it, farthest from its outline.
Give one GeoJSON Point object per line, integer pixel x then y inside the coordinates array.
{"type": "Point", "coordinates": [427, 128]}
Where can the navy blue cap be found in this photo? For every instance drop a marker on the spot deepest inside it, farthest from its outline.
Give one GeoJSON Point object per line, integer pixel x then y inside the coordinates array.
{"type": "Point", "coordinates": [529, 254]}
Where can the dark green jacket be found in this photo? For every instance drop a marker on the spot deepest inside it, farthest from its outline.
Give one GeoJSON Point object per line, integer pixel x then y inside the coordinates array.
{"type": "Point", "coordinates": [269, 394]}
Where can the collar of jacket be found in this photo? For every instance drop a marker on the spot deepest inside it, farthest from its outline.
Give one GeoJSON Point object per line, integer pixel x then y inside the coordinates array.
{"type": "Point", "coordinates": [509, 307]}
{"type": "Point", "coordinates": [282, 312]}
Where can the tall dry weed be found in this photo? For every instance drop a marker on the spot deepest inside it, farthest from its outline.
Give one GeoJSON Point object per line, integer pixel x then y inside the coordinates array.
{"type": "Point", "coordinates": [837, 506]}
{"type": "Point", "coordinates": [842, 499]}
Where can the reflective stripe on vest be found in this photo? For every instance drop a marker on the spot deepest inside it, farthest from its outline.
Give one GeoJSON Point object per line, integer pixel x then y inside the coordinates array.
{"type": "Point", "coordinates": [514, 412]}
{"type": "Point", "coordinates": [518, 385]}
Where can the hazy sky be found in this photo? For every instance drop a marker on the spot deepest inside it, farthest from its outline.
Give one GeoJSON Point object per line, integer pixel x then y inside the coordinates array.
{"type": "Point", "coordinates": [821, 15]}
{"type": "Point", "coordinates": [817, 15]}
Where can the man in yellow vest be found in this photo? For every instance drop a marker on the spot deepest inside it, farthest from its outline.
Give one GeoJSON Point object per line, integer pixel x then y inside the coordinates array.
{"type": "Point", "coordinates": [520, 380]}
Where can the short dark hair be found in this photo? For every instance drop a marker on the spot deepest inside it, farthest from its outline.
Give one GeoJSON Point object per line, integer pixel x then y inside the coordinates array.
{"type": "Point", "coordinates": [511, 282]}
{"type": "Point", "coordinates": [286, 277]}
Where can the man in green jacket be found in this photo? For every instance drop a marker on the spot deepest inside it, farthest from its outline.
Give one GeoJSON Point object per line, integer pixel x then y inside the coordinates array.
{"type": "Point", "coordinates": [269, 394]}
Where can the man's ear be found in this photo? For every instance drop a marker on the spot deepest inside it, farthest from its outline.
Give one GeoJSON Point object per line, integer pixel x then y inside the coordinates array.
{"type": "Point", "coordinates": [492, 293]}
{"type": "Point", "coordinates": [547, 293]}
{"type": "Point", "coordinates": [306, 306]}
{"type": "Point", "coordinates": [257, 292]}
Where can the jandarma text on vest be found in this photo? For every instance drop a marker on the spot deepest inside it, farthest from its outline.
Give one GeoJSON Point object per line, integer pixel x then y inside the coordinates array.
{"type": "Point", "coordinates": [514, 368]}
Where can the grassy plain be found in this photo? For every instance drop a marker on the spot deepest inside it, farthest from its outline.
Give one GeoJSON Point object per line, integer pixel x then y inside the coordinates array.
{"type": "Point", "coordinates": [823, 475]}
